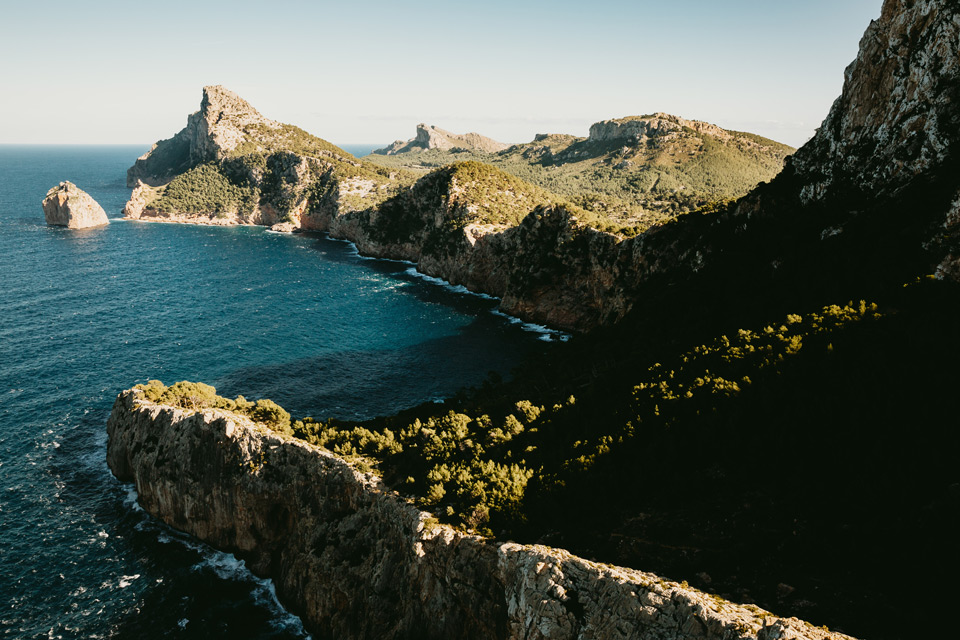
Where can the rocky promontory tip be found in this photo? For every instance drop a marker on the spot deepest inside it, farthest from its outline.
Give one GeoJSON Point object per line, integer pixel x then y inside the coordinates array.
{"type": "Point", "coordinates": [66, 205]}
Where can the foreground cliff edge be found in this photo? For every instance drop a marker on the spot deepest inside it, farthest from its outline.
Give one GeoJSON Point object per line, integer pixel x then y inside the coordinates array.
{"type": "Point", "coordinates": [356, 560]}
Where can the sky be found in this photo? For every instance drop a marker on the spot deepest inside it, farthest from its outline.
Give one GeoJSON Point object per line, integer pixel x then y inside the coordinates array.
{"type": "Point", "coordinates": [366, 72]}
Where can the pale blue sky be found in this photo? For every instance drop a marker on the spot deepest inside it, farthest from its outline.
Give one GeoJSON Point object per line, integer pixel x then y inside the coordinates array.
{"type": "Point", "coordinates": [369, 71]}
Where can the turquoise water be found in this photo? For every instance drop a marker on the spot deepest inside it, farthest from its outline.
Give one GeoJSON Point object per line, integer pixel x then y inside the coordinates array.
{"type": "Point", "coordinates": [85, 314]}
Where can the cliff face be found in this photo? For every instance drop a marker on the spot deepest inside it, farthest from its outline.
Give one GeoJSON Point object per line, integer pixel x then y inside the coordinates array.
{"type": "Point", "coordinates": [898, 118]}
{"type": "Point", "coordinates": [356, 560]}
{"type": "Point", "coordinates": [220, 125]}
{"type": "Point", "coordinates": [893, 135]}
{"type": "Point", "coordinates": [66, 205]}
{"type": "Point", "coordinates": [544, 263]}
{"type": "Point", "coordinates": [657, 125]}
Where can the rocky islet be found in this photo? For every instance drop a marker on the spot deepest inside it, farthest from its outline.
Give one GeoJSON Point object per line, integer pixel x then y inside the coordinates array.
{"type": "Point", "coordinates": [66, 205]}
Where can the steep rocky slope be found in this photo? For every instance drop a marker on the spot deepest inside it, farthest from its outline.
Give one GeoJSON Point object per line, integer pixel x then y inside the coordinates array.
{"type": "Point", "coordinates": [357, 561]}
{"type": "Point", "coordinates": [231, 165]}
{"type": "Point", "coordinates": [431, 137]}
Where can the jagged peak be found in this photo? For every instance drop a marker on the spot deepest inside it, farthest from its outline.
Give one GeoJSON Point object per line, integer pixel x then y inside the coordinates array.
{"type": "Point", "coordinates": [220, 103]}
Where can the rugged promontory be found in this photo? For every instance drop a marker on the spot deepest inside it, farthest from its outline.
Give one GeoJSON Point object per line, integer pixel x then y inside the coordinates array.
{"type": "Point", "coordinates": [66, 205]}
{"type": "Point", "coordinates": [357, 560]}
{"type": "Point", "coordinates": [549, 259]}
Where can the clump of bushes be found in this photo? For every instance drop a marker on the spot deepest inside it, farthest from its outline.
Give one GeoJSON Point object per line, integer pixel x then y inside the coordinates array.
{"type": "Point", "coordinates": [204, 189]}
{"type": "Point", "coordinates": [197, 396]}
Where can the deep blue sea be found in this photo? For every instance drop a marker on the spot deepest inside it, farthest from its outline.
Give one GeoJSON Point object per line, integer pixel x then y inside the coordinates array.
{"type": "Point", "coordinates": [85, 314]}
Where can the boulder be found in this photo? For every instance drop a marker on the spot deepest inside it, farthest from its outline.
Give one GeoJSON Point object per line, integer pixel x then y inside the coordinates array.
{"type": "Point", "coordinates": [66, 205]}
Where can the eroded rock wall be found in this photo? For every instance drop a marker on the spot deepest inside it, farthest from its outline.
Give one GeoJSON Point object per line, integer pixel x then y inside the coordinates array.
{"type": "Point", "coordinates": [356, 560]}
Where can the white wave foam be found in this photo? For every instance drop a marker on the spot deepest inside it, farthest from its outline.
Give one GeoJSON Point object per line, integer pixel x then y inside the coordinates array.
{"type": "Point", "coordinates": [226, 566]}
{"type": "Point", "coordinates": [355, 251]}
{"type": "Point", "coordinates": [547, 334]}
{"type": "Point", "coordinates": [130, 500]}
{"type": "Point", "coordinates": [126, 581]}
{"type": "Point", "coordinates": [456, 288]}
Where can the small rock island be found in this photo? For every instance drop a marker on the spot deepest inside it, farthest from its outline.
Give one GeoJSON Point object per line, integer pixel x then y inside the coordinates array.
{"type": "Point", "coordinates": [66, 205]}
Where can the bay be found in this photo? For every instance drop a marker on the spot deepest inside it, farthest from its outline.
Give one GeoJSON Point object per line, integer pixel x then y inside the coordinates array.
{"type": "Point", "coordinates": [85, 314]}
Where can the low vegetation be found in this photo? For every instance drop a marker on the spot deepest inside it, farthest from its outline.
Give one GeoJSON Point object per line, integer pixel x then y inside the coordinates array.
{"type": "Point", "coordinates": [204, 190]}
{"type": "Point", "coordinates": [265, 139]}
{"type": "Point", "coordinates": [197, 396]}
{"type": "Point", "coordinates": [473, 468]}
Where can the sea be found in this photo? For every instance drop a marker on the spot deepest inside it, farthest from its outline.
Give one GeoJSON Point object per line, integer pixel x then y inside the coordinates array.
{"type": "Point", "coordinates": [84, 314]}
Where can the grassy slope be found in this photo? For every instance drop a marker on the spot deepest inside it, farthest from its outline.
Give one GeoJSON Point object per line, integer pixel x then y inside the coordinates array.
{"type": "Point", "coordinates": [627, 184]}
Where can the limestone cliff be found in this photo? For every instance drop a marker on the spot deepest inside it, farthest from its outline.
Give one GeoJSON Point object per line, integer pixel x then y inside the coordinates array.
{"type": "Point", "coordinates": [430, 137]}
{"type": "Point", "coordinates": [356, 560]}
{"type": "Point", "coordinates": [231, 165]}
{"type": "Point", "coordinates": [66, 205]}
{"type": "Point", "coordinates": [223, 122]}
{"type": "Point", "coordinates": [630, 169]}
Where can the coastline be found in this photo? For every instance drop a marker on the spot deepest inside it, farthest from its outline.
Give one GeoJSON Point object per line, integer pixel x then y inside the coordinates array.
{"type": "Point", "coordinates": [547, 333]}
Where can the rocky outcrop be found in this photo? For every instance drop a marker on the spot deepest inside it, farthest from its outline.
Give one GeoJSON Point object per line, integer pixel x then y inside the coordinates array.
{"type": "Point", "coordinates": [66, 205]}
{"type": "Point", "coordinates": [137, 202]}
{"type": "Point", "coordinates": [430, 137]}
{"type": "Point", "coordinates": [898, 118]}
{"type": "Point", "coordinates": [224, 121]}
{"type": "Point", "coordinates": [893, 136]}
{"type": "Point", "coordinates": [639, 128]}
{"type": "Point", "coordinates": [356, 560]}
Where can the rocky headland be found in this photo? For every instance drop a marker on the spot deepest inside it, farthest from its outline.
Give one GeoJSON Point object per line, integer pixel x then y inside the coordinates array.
{"type": "Point", "coordinates": [66, 205]}
{"type": "Point", "coordinates": [357, 560]}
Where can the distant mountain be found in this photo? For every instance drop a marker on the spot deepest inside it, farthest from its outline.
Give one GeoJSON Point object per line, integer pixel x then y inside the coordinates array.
{"type": "Point", "coordinates": [627, 167]}
{"type": "Point", "coordinates": [429, 137]}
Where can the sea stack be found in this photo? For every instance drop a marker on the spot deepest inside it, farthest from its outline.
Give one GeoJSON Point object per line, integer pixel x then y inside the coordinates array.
{"type": "Point", "coordinates": [66, 205]}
